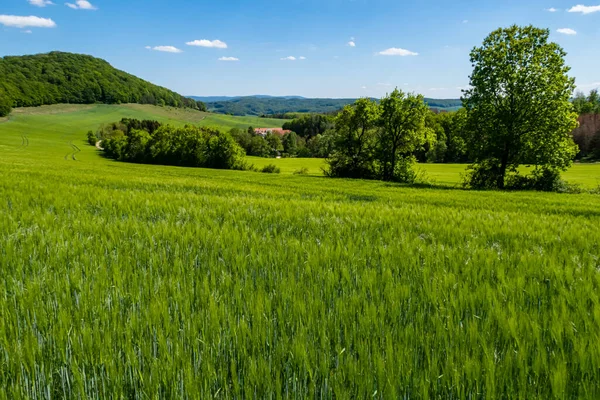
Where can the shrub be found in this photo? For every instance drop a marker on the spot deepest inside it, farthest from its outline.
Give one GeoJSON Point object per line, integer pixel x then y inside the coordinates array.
{"type": "Point", "coordinates": [91, 138]}
{"type": "Point", "coordinates": [404, 171]}
{"type": "Point", "coordinates": [301, 171]}
{"type": "Point", "coordinates": [271, 169]}
{"type": "Point", "coordinates": [5, 107]}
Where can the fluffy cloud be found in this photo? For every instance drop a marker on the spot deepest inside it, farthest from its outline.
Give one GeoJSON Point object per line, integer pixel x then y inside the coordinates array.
{"type": "Point", "coordinates": [566, 31]}
{"type": "Point", "coordinates": [397, 52]}
{"type": "Point", "coordinates": [351, 43]}
{"type": "Point", "coordinates": [40, 3]}
{"type": "Point", "coordinates": [229, 59]}
{"type": "Point", "coordinates": [584, 9]}
{"type": "Point", "coordinates": [166, 49]}
{"type": "Point", "coordinates": [290, 58]}
{"type": "Point", "coordinates": [24, 22]}
{"type": "Point", "coordinates": [217, 44]}
{"type": "Point", "coordinates": [81, 5]}
{"type": "Point", "coordinates": [302, 58]}
{"type": "Point", "coordinates": [551, 9]}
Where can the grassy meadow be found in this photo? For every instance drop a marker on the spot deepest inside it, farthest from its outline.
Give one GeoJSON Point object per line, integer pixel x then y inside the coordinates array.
{"type": "Point", "coordinates": [140, 281]}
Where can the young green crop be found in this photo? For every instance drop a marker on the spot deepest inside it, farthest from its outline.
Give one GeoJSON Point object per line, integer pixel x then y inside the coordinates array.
{"type": "Point", "coordinates": [139, 281]}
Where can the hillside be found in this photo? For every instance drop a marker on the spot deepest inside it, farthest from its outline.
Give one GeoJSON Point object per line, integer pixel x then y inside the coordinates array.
{"type": "Point", "coordinates": [58, 77]}
{"type": "Point", "coordinates": [129, 280]}
{"type": "Point", "coordinates": [263, 105]}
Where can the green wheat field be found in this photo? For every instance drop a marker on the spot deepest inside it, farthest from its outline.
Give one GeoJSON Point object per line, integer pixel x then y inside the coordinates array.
{"type": "Point", "coordinates": [134, 281]}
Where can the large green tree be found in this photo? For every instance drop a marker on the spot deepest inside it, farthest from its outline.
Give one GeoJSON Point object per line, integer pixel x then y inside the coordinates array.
{"type": "Point", "coordinates": [402, 131]}
{"type": "Point", "coordinates": [518, 106]}
{"type": "Point", "coordinates": [355, 141]}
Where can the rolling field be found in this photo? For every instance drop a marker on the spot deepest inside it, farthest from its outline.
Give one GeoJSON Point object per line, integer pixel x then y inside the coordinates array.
{"type": "Point", "coordinates": [138, 281]}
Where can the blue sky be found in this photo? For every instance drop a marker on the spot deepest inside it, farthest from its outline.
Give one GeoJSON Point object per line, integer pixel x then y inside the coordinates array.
{"type": "Point", "coordinates": [427, 42]}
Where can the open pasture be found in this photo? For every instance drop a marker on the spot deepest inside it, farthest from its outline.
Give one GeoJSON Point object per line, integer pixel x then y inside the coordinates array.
{"type": "Point", "coordinates": [139, 281]}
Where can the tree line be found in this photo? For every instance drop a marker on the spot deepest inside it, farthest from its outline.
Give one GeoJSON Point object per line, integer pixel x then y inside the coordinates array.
{"type": "Point", "coordinates": [59, 77]}
{"type": "Point", "coordinates": [517, 112]}
{"type": "Point", "coordinates": [151, 142]}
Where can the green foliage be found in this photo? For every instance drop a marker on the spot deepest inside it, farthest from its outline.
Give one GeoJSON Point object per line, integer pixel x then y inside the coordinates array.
{"type": "Point", "coordinates": [587, 105]}
{"type": "Point", "coordinates": [377, 141]}
{"type": "Point", "coordinates": [301, 171]}
{"type": "Point", "coordinates": [355, 142]}
{"type": "Point", "coordinates": [124, 281]}
{"type": "Point", "coordinates": [5, 106]}
{"type": "Point", "coordinates": [309, 126]}
{"type": "Point", "coordinates": [166, 145]}
{"type": "Point", "coordinates": [290, 144]}
{"type": "Point", "coordinates": [519, 107]}
{"type": "Point", "coordinates": [274, 144]}
{"type": "Point", "coordinates": [402, 131]}
{"type": "Point", "coordinates": [275, 106]}
{"type": "Point", "coordinates": [92, 138]}
{"type": "Point", "coordinates": [271, 169]}
{"type": "Point", "coordinates": [77, 79]}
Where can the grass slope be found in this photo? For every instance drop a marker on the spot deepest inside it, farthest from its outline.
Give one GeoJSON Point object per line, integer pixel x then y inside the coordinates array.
{"type": "Point", "coordinates": [137, 281]}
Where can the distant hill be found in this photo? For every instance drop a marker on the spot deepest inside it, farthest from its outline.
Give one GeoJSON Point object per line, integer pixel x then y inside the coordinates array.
{"type": "Point", "coordinates": [266, 105]}
{"type": "Point", "coordinates": [213, 99]}
{"type": "Point", "coordinates": [59, 77]}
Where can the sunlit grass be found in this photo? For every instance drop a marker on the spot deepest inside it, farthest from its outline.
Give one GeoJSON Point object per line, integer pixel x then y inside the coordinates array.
{"type": "Point", "coordinates": [139, 281]}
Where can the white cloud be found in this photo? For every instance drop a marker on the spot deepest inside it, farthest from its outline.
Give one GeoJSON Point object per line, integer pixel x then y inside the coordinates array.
{"type": "Point", "coordinates": [290, 58]}
{"type": "Point", "coordinates": [397, 52]}
{"type": "Point", "coordinates": [27, 31]}
{"type": "Point", "coordinates": [551, 9]}
{"type": "Point", "coordinates": [81, 5]}
{"type": "Point", "coordinates": [166, 49]}
{"type": "Point", "coordinates": [24, 22]}
{"type": "Point", "coordinates": [229, 59]}
{"type": "Point", "coordinates": [216, 44]}
{"type": "Point", "coordinates": [595, 85]}
{"type": "Point", "coordinates": [41, 3]}
{"type": "Point", "coordinates": [584, 9]}
{"type": "Point", "coordinates": [351, 43]}
{"type": "Point", "coordinates": [566, 31]}
{"type": "Point", "coordinates": [302, 58]}
{"type": "Point", "coordinates": [364, 87]}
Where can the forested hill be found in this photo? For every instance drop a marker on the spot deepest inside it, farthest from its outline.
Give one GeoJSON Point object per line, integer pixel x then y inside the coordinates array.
{"type": "Point", "coordinates": [254, 105]}
{"type": "Point", "coordinates": [59, 77]}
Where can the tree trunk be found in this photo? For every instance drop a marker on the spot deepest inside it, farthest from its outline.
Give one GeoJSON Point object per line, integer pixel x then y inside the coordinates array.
{"type": "Point", "coordinates": [390, 176]}
{"type": "Point", "coordinates": [503, 167]}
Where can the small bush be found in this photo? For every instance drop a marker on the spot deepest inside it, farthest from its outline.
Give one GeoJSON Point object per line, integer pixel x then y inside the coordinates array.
{"type": "Point", "coordinates": [271, 169]}
{"type": "Point", "coordinates": [301, 171]}
{"type": "Point", "coordinates": [404, 171]}
{"type": "Point", "coordinates": [5, 107]}
{"type": "Point", "coordinates": [483, 176]}
{"type": "Point", "coordinates": [91, 138]}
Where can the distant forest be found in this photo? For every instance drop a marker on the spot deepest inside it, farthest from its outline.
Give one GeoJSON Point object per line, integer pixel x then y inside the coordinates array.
{"type": "Point", "coordinates": [270, 106]}
{"type": "Point", "coordinates": [59, 77]}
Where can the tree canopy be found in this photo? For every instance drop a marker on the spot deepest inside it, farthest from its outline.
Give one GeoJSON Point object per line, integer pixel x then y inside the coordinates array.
{"type": "Point", "coordinates": [59, 77]}
{"type": "Point", "coordinates": [518, 107]}
{"type": "Point", "coordinates": [150, 142]}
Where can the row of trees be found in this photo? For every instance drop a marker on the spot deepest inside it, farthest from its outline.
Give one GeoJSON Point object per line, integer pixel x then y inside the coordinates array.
{"type": "Point", "coordinates": [59, 77]}
{"type": "Point", "coordinates": [152, 143]}
{"type": "Point", "coordinates": [518, 111]}
{"type": "Point", "coordinates": [289, 145]}
{"type": "Point", "coordinates": [587, 104]}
